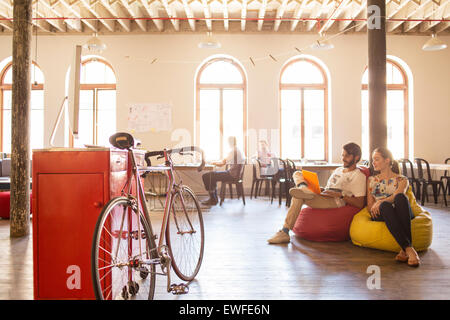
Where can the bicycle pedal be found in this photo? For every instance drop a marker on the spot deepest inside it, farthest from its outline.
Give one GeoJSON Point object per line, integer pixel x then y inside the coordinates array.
{"type": "Point", "coordinates": [177, 289]}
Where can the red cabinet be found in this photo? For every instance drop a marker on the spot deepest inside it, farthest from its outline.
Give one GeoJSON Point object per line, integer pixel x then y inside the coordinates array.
{"type": "Point", "coordinates": [70, 187]}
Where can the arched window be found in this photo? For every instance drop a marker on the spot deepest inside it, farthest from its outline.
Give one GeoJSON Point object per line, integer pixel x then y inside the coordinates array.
{"type": "Point", "coordinates": [396, 110]}
{"type": "Point", "coordinates": [304, 105]}
{"type": "Point", "coordinates": [220, 106]}
{"type": "Point", "coordinates": [97, 117]}
{"type": "Point", "coordinates": [37, 107]}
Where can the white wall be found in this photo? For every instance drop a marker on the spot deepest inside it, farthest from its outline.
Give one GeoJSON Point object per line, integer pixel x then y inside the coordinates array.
{"type": "Point", "coordinates": [171, 79]}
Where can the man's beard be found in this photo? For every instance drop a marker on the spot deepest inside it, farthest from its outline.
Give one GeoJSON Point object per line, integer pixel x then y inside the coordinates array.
{"type": "Point", "coordinates": [349, 164]}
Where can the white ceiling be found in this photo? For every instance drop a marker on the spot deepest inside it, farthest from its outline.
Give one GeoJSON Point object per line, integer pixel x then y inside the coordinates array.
{"type": "Point", "coordinates": [296, 16]}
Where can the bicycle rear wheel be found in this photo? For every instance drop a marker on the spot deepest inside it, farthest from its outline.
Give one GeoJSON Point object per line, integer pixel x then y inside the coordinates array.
{"type": "Point", "coordinates": [121, 250]}
{"type": "Point", "coordinates": [185, 234]}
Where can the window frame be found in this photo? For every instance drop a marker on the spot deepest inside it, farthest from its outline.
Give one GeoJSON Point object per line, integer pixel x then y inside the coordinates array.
{"type": "Point", "coordinates": [298, 86]}
{"type": "Point", "coordinates": [397, 86]}
{"type": "Point", "coordinates": [95, 87]}
{"type": "Point", "coordinates": [221, 86]}
{"type": "Point", "coordinates": [7, 86]}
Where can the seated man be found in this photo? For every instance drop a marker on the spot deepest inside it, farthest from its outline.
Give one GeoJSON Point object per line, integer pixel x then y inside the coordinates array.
{"type": "Point", "coordinates": [346, 185]}
{"type": "Point", "coordinates": [235, 159]}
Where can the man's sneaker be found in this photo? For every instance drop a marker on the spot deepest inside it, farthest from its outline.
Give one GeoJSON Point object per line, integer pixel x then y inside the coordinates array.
{"type": "Point", "coordinates": [210, 202]}
{"type": "Point", "coordinates": [301, 192]}
{"type": "Point", "coordinates": [280, 237]}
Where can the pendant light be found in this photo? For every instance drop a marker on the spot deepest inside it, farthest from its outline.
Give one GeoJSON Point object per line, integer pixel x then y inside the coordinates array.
{"type": "Point", "coordinates": [434, 44]}
{"type": "Point", "coordinates": [94, 44]}
{"type": "Point", "coordinates": [209, 42]}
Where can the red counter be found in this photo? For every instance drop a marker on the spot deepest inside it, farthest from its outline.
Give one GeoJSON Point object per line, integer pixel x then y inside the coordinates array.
{"type": "Point", "coordinates": [70, 187]}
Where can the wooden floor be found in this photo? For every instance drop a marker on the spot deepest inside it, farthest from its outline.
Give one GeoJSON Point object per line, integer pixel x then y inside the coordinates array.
{"type": "Point", "coordinates": [239, 264]}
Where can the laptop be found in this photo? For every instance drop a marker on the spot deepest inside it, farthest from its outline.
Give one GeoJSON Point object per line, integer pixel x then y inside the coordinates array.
{"type": "Point", "coordinates": [312, 180]}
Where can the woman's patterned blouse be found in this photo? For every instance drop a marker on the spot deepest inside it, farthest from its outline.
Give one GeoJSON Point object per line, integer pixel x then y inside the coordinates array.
{"type": "Point", "coordinates": [383, 188]}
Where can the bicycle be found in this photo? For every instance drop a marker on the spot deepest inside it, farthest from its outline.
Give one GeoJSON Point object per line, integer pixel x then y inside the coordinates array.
{"type": "Point", "coordinates": [124, 252]}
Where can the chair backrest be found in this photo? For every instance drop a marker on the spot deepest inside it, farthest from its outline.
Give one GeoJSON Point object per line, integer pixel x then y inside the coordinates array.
{"type": "Point", "coordinates": [285, 167]}
{"type": "Point", "coordinates": [240, 169]}
{"type": "Point", "coordinates": [291, 168]}
{"type": "Point", "coordinates": [419, 162]}
{"type": "Point", "coordinates": [446, 162]}
{"type": "Point", "coordinates": [256, 169]}
{"type": "Point", "coordinates": [404, 162]}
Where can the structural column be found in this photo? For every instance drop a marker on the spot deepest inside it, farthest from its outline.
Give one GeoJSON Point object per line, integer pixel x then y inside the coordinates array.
{"type": "Point", "coordinates": [376, 33]}
{"type": "Point", "coordinates": [20, 120]}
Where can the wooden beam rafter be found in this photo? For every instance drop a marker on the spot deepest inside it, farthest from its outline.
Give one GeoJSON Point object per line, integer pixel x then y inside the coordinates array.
{"type": "Point", "coordinates": [280, 12]}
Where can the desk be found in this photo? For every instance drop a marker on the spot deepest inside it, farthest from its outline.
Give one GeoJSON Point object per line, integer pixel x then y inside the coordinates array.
{"type": "Point", "coordinates": [437, 166]}
{"type": "Point", "coordinates": [316, 167]}
{"type": "Point", "coordinates": [155, 183]}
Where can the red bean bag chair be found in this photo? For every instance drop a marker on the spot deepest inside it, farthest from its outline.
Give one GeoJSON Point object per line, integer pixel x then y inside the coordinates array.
{"type": "Point", "coordinates": [326, 224]}
{"type": "Point", "coordinates": [5, 204]}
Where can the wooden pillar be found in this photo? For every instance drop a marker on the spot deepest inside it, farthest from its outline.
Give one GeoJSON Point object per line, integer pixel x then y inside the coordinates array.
{"type": "Point", "coordinates": [20, 120]}
{"type": "Point", "coordinates": [376, 32]}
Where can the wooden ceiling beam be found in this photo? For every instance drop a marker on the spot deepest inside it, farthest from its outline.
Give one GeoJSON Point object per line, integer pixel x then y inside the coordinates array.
{"type": "Point", "coordinates": [262, 14]}
{"type": "Point", "coordinates": [225, 14]}
{"type": "Point", "coordinates": [243, 14]}
{"type": "Point", "coordinates": [153, 13]}
{"type": "Point", "coordinates": [354, 10]}
{"type": "Point", "coordinates": [133, 11]}
{"type": "Point", "coordinates": [189, 14]}
{"type": "Point", "coordinates": [207, 13]}
{"type": "Point", "coordinates": [439, 13]}
{"type": "Point", "coordinates": [76, 24]}
{"type": "Point", "coordinates": [298, 13]}
{"type": "Point", "coordinates": [113, 11]}
{"type": "Point", "coordinates": [280, 12]}
{"type": "Point", "coordinates": [172, 14]}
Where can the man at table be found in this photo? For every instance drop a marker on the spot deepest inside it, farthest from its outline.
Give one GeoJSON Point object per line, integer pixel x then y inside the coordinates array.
{"type": "Point", "coordinates": [235, 159]}
{"type": "Point", "coordinates": [346, 185]}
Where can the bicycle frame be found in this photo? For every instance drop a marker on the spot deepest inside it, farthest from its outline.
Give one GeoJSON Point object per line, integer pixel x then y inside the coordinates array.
{"type": "Point", "coordinates": [140, 201]}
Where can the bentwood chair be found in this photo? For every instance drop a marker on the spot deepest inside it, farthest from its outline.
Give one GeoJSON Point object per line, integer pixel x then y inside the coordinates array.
{"type": "Point", "coordinates": [408, 171]}
{"type": "Point", "coordinates": [446, 177]}
{"type": "Point", "coordinates": [238, 182]}
{"type": "Point", "coordinates": [259, 178]}
{"type": "Point", "coordinates": [429, 182]}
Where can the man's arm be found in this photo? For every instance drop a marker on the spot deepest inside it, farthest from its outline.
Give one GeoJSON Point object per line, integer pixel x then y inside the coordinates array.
{"type": "Point", "coordinates": [357, 202]}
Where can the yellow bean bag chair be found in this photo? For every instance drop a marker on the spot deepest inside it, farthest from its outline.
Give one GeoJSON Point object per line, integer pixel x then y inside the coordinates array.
{"type": "Point", "coordinates": [374, 234]}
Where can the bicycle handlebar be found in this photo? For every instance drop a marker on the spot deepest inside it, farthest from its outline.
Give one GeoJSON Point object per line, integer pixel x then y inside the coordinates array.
{"type": "Point", "coordinates": [181, 151]}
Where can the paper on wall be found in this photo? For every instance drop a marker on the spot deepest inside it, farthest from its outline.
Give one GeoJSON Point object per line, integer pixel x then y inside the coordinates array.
{"type": "Point", "coordinates": [147, 117]}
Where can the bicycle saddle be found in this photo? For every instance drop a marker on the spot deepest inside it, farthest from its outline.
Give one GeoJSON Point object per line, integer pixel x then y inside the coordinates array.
{"type": "Point", "coordinates": [122, 140]}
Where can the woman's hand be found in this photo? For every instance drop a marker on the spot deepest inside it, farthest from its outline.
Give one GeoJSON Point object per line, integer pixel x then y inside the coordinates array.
{"type": "Point", "coordinates": [375, 210]}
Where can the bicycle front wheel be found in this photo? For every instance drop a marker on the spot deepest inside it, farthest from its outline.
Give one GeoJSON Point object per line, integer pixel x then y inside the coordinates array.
{"type": "Point", "coordinates": [185, 234]}
{"type": "Point", "coordinates": [122, 250]}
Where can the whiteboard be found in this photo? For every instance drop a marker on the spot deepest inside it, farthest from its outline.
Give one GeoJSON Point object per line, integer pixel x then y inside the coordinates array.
{"type": "Point", "coordinates": [149, 117]}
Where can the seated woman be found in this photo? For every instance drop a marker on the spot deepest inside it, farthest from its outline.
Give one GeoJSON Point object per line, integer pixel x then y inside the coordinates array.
{"type": "Point", "coordinates": [265, 157]}
{"type": "Point", "coordinates": [386, 201]}
{"type": "Point", "coordinates": [235, 159]}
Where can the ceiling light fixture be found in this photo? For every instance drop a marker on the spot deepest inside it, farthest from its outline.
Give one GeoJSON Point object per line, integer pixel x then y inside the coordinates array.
{"type": "Point", "coordinates": [434, 44]}
{"type": "Point", "coordinates": [322, 44]}
{"type": "Point", "coordinates": [209, 42]}
{"type": "Point", "coordinates": [94, 44]}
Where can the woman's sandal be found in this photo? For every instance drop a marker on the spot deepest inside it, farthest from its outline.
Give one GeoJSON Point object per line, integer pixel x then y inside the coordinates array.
{"type": "Point", "coordinates": [414, 263]}
{"type": "Point", "coordinates": [401, 257]}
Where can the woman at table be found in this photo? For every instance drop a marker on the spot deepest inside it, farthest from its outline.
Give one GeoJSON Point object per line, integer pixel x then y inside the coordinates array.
{"type": "Point", "coordinates": [386, 201]}
{"type": "Point", "coordinates": [265, 158]}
